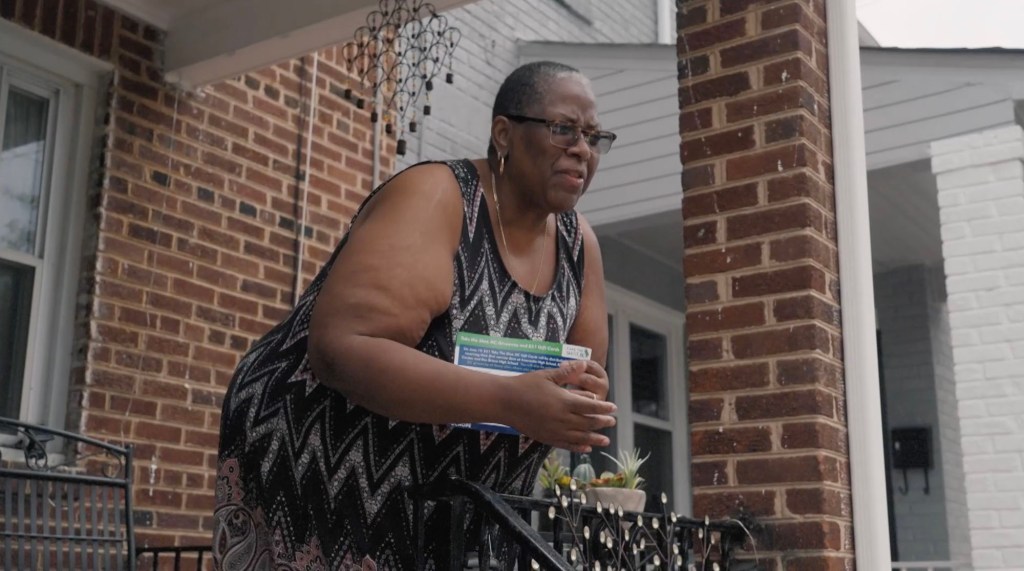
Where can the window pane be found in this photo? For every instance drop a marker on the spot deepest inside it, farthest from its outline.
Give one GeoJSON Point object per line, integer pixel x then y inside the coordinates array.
{"type": "Point", "coordinates": [15, 303]}
{"type": "Point", "coordinates": [657, 470]}
{"type": "Point", "coordinates": [22, 158]}
{"type": "Point", "coordinates": [647, 352]}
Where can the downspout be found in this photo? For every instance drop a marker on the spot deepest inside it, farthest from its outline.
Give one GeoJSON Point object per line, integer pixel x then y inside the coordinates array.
{"type": "Point", "coordinates": [311, 120]}
{"type": "Point", "coordinates": [857, 296]}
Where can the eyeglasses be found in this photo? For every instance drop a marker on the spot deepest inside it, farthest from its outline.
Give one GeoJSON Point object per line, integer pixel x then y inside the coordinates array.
{"type": "Point", "coordinates": [565, 134]}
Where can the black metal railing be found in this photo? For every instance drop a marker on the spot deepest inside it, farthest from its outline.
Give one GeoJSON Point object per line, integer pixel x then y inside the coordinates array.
{"type": "Point", "coordinates": [77, 515]}
{"type": "Point", "coordinates": [578, 536]}
{"type": "Point", "coordinates": [181, 557]}
{"type": "Point", "coordinates": [73, 515]}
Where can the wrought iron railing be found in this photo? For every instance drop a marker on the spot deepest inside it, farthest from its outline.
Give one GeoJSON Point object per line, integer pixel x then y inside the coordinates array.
{"type": "Point", "coordinates": [77, 515]}
{"type": "Point", "coordinates": [64, 515]}
{"type": "Point", "coordinates": [181, 557]}
{"type": "Point", "coordinates": [579, 536]}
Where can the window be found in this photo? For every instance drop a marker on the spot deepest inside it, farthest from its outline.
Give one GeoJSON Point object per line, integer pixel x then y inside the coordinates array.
{"type": "Point", "coordinates": [27, 128]}
{"type": "Point", "coordinates": [43, 155]}
{"type": "Point", "coordinates": [645, 367]}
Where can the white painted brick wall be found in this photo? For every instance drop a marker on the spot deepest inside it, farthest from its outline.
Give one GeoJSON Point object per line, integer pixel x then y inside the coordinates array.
{"type": "Point", "coordinates": [981, 193]}
{"type": "Point", "coordinates": [459, 125]}
{"type": "Point", "coordinates": [949, 434]}
{"type": "Point", "coordinates": [920, 391]}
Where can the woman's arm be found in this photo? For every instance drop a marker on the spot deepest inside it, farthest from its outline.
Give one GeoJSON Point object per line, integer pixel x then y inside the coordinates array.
{"type": "Point", "coordinates": [591, 326]}
{"type": "Point", "coordinates": [389, 281]}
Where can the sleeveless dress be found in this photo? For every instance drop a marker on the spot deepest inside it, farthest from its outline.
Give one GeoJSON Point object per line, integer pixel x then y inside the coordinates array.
{"type": "Point", "coordinates": [307, 480]}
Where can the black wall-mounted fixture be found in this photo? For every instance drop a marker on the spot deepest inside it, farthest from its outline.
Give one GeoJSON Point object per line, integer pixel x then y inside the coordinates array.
{"type": "Point", "coordinates": [912, 449]}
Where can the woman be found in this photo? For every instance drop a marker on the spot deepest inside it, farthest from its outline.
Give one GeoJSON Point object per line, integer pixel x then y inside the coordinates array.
{"type": "Point", "coordinates": [341, 407]}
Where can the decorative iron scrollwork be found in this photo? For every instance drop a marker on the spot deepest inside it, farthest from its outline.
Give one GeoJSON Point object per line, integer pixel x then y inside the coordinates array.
{"type": "Point", "coordinates": [34, 448]}
{"type": "Point", "coordinates": [32, 441]}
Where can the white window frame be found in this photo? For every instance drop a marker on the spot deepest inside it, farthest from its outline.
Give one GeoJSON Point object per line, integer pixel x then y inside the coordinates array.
{"type": "Point", "coordinates": [626, 307]}
{"type": "Point", "coordinates": [73, 80]}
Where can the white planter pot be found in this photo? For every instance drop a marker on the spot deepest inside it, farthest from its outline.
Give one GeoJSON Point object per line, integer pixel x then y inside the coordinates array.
{"type": "Point", "coordinates": [630, 500]}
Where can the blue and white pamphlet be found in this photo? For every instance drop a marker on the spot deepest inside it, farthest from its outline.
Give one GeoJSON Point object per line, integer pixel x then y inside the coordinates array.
{"type": "Point", "coordinates": [508, 357]}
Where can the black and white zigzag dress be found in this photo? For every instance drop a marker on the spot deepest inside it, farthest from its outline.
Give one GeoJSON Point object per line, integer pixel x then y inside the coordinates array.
{"type": "Point", "coordinates": [309, 481]}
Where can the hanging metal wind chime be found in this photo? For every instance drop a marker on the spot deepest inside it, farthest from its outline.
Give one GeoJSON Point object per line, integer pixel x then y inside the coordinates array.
{"type": "Point", "coordinates": [404, 46]}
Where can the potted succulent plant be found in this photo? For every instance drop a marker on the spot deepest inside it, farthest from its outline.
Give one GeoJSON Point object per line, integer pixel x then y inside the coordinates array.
{"type": "Point", "coordinates": [621, 488]}
{"type": "Point", "coordinates": [553, 473]}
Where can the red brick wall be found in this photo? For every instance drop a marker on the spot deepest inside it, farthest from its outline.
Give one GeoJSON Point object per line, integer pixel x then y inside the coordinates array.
{"type": "Point", "coordinates": [764, 344]}
{"type": "Point", "coordinates": [193, 249]}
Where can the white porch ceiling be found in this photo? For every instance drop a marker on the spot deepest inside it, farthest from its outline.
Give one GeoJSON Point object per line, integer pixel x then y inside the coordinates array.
{"type": "Point", "coordinates": [211, 40]}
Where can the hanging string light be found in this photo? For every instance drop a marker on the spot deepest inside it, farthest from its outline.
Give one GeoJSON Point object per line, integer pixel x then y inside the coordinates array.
{"type": "Point", "coordinates": [404, 46]}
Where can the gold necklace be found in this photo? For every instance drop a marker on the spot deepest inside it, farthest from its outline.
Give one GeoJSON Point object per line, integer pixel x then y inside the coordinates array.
{"type": "Point", "coordinates": [501, 228]}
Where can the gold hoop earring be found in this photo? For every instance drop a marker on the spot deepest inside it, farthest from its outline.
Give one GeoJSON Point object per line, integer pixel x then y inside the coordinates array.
{"type": "Point", "coordinates": [501, 165]}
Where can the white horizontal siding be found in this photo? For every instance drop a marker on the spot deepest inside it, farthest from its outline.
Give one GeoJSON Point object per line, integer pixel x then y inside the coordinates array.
{"type": "Point", "coordinates": [609, 83]}
{"type": "Point", "coordinates": [646, 90]}
{"type": "Point", "coordinates": [898, 91]}
{"type": "Point", "coordinates": [908, 142]}
{"type": "Point", "coordinates": [905, 111]}
{"type": "Point", "coordinates": [637, 133]}
{"type": "Point", "coordinates": [657, 108]}
{"type": "Point", "coordinates": [628, 156]}
{"type": "Point", "coordinates": [924, 106]}
{"type": "Point", "coordinates": [644, 198]}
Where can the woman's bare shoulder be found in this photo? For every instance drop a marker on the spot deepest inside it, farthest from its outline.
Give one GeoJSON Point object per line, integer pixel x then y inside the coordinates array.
{"type": "Point", "coordinates": [428, 187]}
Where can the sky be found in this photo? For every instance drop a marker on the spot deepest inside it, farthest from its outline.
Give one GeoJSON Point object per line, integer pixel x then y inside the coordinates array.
{"type": "Point", "coordinates": [944, 23]}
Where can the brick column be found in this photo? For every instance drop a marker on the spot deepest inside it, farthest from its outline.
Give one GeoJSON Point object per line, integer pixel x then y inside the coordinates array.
{"type": "Point", "coordinates": [980, 178]}
{"type": "Point", "coordinates": [764, 343]}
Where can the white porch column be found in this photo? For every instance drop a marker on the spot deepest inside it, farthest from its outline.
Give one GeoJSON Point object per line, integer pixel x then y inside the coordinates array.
{"type": "Point", "coordinates": [980, 179]}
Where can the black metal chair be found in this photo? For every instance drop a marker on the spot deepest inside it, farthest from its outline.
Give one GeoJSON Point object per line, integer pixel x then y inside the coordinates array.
{"type": "Point", "coordinates": [74, 514]}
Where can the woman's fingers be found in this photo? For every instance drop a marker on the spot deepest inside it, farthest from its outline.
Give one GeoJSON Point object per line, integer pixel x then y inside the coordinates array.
{"type": "Point", "coordinates": [595, 368]}
{"type": "Point", "coordinates": [569, 419]}
{"type": "Point", "coordinates": [601, 421]}
{"type": "Point", "coordinates": [582, 438]}
{"type": "Point", "coordinates": [593, 379]}
{"type": "Point", "coordinates": [584, 431]}
{"type": "Point", "coordinates": [584, 394]}
{"type": "Point", "coordinates": [586, 405]}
